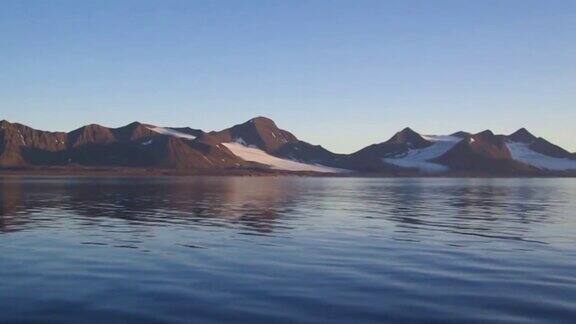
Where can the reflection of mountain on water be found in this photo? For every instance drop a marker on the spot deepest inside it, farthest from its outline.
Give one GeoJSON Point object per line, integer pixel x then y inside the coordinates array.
{"type": "Point", "coordinates": [11, 202]}
{"type": "Point", "coordinates": [418, 208]}
{"type": "Point", "coordinates": [488, 207]}
{"type": "Point", "coordinates": [251, 203]}
{"type": "Point", "coordinates": [24, 203]}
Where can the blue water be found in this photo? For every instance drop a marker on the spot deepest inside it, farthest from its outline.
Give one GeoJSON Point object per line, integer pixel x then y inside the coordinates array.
{"type": "Point", "coordinates": [287, 249]}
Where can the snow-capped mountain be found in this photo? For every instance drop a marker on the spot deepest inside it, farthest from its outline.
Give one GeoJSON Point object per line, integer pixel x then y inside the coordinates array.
{"type": "Point", "coordinates": [259, 144]}
{"type": "Point", "coordinates": [423, 158]}
{"type": "Point", "coordinates": [260, 140]}
{"type": "Point", "coordinates": [485, 152]}
{"type": "Point", "coordinates": [539, 153]}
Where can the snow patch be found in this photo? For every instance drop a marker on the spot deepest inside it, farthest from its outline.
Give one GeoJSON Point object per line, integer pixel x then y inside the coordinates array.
{"type": "Point", "coordinates": [148, 142]}
{"type": "Point", "coordinates": [521, 152]}
{"type": "Point", "coordinates": [170, 132]}
{"type": "Point", "coordinates": [253, 154]}
{"type": "Point", "coordinates": [241, 141]}
{"type": "Point", "coordinates": [419, 158]}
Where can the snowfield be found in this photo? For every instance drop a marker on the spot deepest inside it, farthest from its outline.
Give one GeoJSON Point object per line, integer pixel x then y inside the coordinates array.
{"type": "Point", "coordinates": [419, 158]}
{"type": "Point", "coordinates": [253, 154]}
{"type": "Point", "coordinates": [170, 132]}
{"type": "Point", "coordinates": [522, 153]}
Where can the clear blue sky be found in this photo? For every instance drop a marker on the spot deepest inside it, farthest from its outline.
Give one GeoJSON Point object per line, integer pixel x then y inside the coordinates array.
{"type": "Point", "coordinates": [343, 74]}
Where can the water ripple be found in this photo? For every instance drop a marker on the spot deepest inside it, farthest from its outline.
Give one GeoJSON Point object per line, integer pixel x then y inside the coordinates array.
{"type": "Point", "coordinates": [287, 250]}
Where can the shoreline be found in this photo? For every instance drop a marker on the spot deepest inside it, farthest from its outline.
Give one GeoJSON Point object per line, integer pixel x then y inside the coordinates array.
{"type": "Point", "coordinates": [92, 172]}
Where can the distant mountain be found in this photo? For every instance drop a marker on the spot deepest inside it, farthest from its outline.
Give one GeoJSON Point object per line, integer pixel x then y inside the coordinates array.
{"type": "Point", "coordinates": [373, 157]}
{"type": "Point", "coordinates": [409, 139]}
{"type": "Point", "coordinates": [461, 134]}
{"type": "Point", "coordinates": [538, 144]}
{"type": "Point", "coordinates": [263, 134]}
{"type": "Point", "coordinates": [189, 131]}
{"type": "Point", "coordinates": [483, 152]}
{"type": "Point", "coordinates": [520, 153]}
{"type": "Point", "coordinates": [260, 132]}
{"type": "Point", "coordinates": [522, 136]}
{"type": "Point", "coordinates": [542, 146]}
{"type": "Point", "coordinates": [134, 145]}
{"type": "Point", "coordinates": [21, 144]}
{"type": "Point", "coordinates": [539, 153]}
{"type": "Point", "coordinates": [259, 144]}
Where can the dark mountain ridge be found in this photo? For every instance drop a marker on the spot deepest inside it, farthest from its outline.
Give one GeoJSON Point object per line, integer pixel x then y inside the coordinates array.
{"type": "Point", "coordinates": [141, 145]}
{"type": "Point", "coordinates": [263, 133]}
{"type": "Point", "coordinates": [483, 152]}
{"type": "Point", "coordinates": [260, 132]}
{"type": "Point", "coordinates": [523, 136]}
{"type": "Point", "coordinates": [370, 158]}
{"type": "Point", "coordinates": [133, 145]}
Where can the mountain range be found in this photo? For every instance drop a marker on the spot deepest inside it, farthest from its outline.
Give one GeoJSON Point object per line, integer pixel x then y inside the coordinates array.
{"type": "Point", "coordinates": [258, 145]}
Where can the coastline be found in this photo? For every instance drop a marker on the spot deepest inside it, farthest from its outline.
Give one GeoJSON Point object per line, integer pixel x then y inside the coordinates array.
{"type": "Point", "coordinates": [121, 172]}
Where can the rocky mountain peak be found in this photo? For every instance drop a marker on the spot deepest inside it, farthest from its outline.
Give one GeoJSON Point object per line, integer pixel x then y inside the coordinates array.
{"type": "Point", "coordinates": [143, 145]}
{"type": "Point", "coordinates": [461, 134]}
{"type": "Point", "coordinates": [90, 134]}
{"type": "Point", "coordinates": [409, 137]}
{"type": "Point", "coordinates": [522, 135]}
{"type": "Point", "coordinates": [262, 120]}
{"type": "Point", "coordinates": [260, 132]}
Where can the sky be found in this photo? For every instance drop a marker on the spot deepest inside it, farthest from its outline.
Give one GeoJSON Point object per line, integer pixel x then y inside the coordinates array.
{"type": "Point", "coordinates": [343, 74]}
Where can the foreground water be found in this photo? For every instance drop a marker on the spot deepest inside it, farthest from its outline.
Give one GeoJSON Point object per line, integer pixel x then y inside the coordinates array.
{"type": "Point", "coordinates": [287, 250]}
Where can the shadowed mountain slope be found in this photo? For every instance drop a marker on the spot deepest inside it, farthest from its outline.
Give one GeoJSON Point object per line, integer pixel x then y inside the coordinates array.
{"type": "Point", "coordinates": [134, 145]}
{"type": "Point", "coordinates": [259, 144]}
{"type": "Point", "coordinates": [262, 133]}
{"type": "Point", "coordinates": [484, 152]}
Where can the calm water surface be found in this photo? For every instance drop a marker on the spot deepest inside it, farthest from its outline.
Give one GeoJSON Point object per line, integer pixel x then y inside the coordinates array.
{"type": "Point", "coordinates": [289, 249]}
